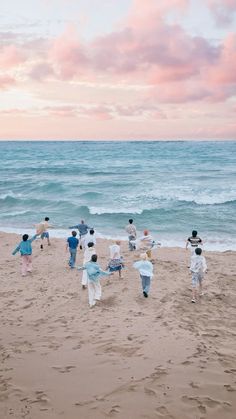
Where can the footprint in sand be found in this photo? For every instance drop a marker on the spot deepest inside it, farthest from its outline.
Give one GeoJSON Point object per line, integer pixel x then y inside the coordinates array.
{"type": "Point", "coordinates": [114, 409]}
{"type": "Point", "coordinates": [41, 397]}
{"type": "Point", "coordinates": [150, 391]}
{"type": "Point", "coordinates": [65, 369]}
{"type": "Point", "coordinates": [163, 412]}
{"type": "Point", "coordinates": [230, 371]}
{"type": "Point", "coordinates": [229, 387]}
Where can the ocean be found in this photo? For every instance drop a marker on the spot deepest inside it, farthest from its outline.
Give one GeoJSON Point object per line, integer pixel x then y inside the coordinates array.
{"type": "Point", "coordinates": [169, 188]}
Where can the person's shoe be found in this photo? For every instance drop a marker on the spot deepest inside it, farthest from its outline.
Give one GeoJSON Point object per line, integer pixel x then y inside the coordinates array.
{"type": "Point", "coordinates": [84, 287]}
{"type": "Point", "coordinates": [41, 246]}
{"type": "Point", "coordinates": [145, 294]}
{"type": "Point", "coordinates": [193, 300]}
{"type": "Point", "coordinates": [201, 294]}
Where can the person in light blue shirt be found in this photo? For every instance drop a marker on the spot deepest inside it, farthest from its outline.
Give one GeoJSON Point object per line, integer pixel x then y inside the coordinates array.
{"type": "Point", "coordinates": [25, 249]}
{"type": "Point", "coordinates": [94, 273]}
{"type": "Point", "coordinates": [72, 245]}
{"type": "Point", "coordinates": [145, 268]}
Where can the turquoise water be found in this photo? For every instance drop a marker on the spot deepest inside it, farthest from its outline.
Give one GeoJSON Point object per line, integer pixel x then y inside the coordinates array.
{"type": "Point", "coordinates": [167, 187]}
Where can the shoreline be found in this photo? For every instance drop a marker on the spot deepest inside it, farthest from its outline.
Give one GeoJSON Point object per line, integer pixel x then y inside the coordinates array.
{"type": "Point", "coordinates": [172, 244]}
{"type": "Point", "coordinates": [128, 356]}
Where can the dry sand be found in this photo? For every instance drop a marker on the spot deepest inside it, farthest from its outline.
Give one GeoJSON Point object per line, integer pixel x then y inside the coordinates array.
{"type": "Point", "coordinates": [127, 358]}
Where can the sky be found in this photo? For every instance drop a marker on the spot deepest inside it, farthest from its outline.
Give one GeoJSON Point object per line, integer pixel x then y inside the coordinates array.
{"type": "Point", "coordinates": [118, 69]}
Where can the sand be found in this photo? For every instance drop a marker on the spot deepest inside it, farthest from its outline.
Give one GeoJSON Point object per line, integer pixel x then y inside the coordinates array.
{"type": "Point", "coordinates": [129, 357]}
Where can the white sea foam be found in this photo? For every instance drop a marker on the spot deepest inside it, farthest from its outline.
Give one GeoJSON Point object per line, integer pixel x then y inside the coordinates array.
{"type": "Point", "coordinates": [212, 244]}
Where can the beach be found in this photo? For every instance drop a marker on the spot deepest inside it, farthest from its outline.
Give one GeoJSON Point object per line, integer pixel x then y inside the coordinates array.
{"type": "Point", "coordinates": [126, 358]}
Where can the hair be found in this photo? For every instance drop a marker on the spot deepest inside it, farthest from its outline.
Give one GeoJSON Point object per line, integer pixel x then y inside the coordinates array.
{"type": "Point", "coordinates": [91, 231]}
{"type": "Point", "coordinates": [82, 221]}
{"type": "Point", "coordinates": [131, 221]}
{"type": "Point", "coordinates": [74, 233]}
{"type": "Point", "coordinates": [25, 237]}
{"type": "Point", "coordinates": [198, 251]}
{"type": "Point", "coordinates": [94, 258]}
{"type": "Point", "coordinates": [118, 242]}
{"type": "Point", "coordinates": [90, 244]}
{"type": "Point", "coordinates": [146, 232]}
{"type": "Point", "coordinates": [46, 218]}
{"type": "Point", "coordinates": [194, 233]}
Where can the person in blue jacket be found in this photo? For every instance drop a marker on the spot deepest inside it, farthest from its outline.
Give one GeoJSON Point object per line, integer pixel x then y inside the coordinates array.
{"type": "Point", "coordinates": [25, 249]}
{"type": "Point", "coordinates": [94, 273]}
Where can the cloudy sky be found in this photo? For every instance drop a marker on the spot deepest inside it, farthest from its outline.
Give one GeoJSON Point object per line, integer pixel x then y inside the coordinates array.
{"type": "Point", "coordinates": [118, 69]}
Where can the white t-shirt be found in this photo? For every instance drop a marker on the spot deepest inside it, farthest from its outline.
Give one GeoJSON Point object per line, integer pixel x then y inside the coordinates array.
{"type": "Point", "coordinates": [90, 238]}
{"type": "Point", "coordinates": [89, 251]}
{"type": "Point", "coordinates": [114, 251]}
{"type": "Point", "coordinates": [198, 264]}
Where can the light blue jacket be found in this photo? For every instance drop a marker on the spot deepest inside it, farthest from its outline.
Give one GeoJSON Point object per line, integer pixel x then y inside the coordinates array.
{"type": "Point", "coordinates": [25, 247]}
{"type": "Point", "coordinates": [144, 267]}
{"type": "Point", "coordinates": [94, 271]}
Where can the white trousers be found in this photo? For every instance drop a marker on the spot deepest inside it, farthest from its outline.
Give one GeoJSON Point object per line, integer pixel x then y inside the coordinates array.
{"type": "Point", "coordinates": [84, 278]}
{"type": "Point", "coordinates": [94, 292]}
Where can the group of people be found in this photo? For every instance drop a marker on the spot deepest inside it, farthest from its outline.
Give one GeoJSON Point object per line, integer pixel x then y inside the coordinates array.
{"type": "Point", "coordinates": [91, 271]}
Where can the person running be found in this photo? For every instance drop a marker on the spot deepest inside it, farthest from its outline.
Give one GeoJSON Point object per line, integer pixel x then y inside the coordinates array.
{"type": "Point", "coordinates": [25, 249]}
{"type": "Point", "coordinates": [147, 243]}
{"type": "Point", "coordinates": [42, 230]}
{"type": "Point", "coordinates": [83, 230]}
{"type": "Point", "coordinates": [72, 245]}
{"type": "Point", "coordinates": [145, 269]}
{"type": "Point", "coordinates": [115, 263]}
{"type": "Point", "coordinates": [89, 251]}
{"type": "Point", "coordinates": [194, 241]}
{"type": "Point", "coordinates": [94, 273]}
{"type": "Point", "coordinates": [90, 238]}
{"type": "Point", "coordinates": [132, 234]}
{"type": "Point", "coordinates": [198, 268]}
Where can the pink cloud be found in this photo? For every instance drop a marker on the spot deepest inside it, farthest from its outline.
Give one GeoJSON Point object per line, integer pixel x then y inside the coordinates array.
{"type": "Point", "coordinates": [225, 72]}
{"type": "Point", "coordinates": [41, 71]}
{"type": "Point", "coordinates": [10, 56]}
{"type": "Point", "coordinates": [143, 11]}
{"type": "Point", "coordinates": [6, 82]}
{"type": "Point", "coordinates": [68, 54]}
{"type": "Point", "coordinates": [180, 92]}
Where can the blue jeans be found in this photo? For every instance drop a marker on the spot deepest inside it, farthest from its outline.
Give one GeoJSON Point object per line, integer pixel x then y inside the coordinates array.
{"type": "Point", "coordinates": [72, 257]}
{"type": "Point", "coordinates": [146, 282]}
{"type": "Point", "coordinates": [131, 245]}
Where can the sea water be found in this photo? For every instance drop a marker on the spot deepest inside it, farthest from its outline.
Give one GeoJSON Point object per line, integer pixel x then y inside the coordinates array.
{"type": "Point", "coordinates": [169, 188]}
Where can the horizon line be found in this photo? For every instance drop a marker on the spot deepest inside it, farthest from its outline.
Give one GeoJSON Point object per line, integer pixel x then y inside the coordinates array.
{"type": "Point", "coordinates": [118, 140]}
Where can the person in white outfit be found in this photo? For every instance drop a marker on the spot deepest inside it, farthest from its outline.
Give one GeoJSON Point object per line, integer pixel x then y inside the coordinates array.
{"type": "Point", "coordinates": [89, 251]}
{"type": "Point", "coordinates": [198, 268]}
{"type": "Point", "coordinates": [90, 238]}
{"type": "Point", "coordinates": [94, 287]}
{"type": "Point", "coordinates": [145, 269]}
